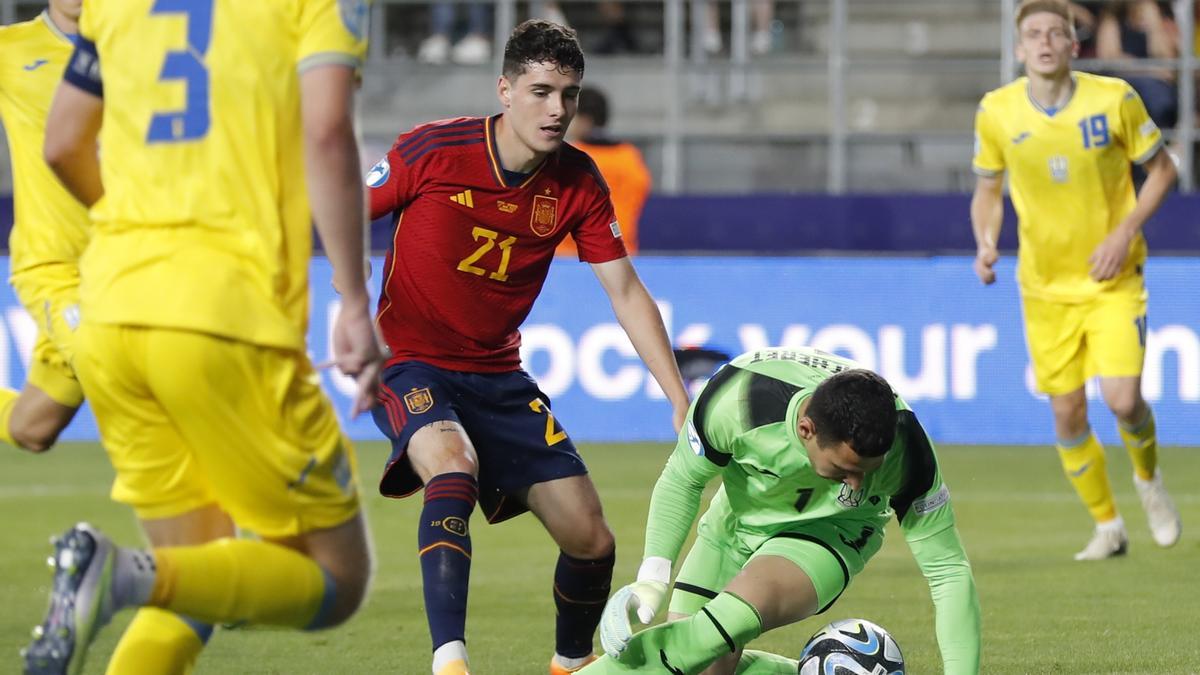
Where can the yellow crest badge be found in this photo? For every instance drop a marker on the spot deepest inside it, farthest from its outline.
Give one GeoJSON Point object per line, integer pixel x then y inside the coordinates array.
{"type": "Point", "coordinates": [418, 401]}
{"type": "Point", "coordinates": [545, 215]}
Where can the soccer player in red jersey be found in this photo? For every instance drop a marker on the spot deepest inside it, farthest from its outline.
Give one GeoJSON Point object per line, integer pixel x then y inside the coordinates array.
{"type": "Point", "coordinates": [479, 205]}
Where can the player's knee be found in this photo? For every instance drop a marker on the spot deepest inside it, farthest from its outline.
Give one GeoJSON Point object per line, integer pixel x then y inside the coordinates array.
{"type": "Point", "coordinates": [591, 543]}
{"type": "Point", "coordinates": [1126, 406]}
{"type": "Point", "coordinates": [348, 593]}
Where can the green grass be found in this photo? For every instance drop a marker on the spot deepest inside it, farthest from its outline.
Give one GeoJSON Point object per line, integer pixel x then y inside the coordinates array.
{"type": "Point", "coordinates": [1043, 613]}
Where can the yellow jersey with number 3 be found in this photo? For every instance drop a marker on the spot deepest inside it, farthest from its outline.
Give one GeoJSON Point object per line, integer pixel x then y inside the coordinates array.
{"type": "Point", "coordinates": [205, 223]}
{"type": "Point", "coordinates": [50, 226]}
{"type": "Point", "coordinates": [1069, 178]}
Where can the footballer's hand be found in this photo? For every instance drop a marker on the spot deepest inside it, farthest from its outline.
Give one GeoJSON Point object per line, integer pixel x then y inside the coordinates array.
{"type": "Point", "coordinates": [1109, 256]}
{"type": "Point", "coordinates": [985, 258]}
{"type": "Point", "coordinates": [642, 597]}
{"type": "Point", "coordinates": [356, 351]}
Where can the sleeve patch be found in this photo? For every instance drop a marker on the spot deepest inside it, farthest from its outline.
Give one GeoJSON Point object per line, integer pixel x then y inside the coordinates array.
{"type": "Point", "coordinates": [355, 14]}
{"type": "Point", "coordinates": [379, 174]}
{"type": "Point", "coordinates": [694, 439]}
{"type": "Point", "coordinates": [933, 502]}
{"type": "Point", "coordinates": [1148, 128]}
{"type": "Point", "coordinates": [616, 229]}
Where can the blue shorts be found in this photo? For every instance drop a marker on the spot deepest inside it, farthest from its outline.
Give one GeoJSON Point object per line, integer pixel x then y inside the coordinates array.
{"type": "Point", "coordinates": [506, 416]}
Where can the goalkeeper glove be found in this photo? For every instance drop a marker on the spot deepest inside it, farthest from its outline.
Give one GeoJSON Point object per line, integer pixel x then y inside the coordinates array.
{"type": "Point", "coordinates": [645, 597]}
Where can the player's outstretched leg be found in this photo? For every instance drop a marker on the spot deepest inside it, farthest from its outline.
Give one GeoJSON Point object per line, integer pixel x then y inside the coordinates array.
{"type": "Point", "coordinates": [80, 603]}
{"type": "Point", "coordinates": [444, 541]}
{"type": "Point", "coordinates": [227, 580]}
{"type": "Point", "coordinates": [1141, 440]}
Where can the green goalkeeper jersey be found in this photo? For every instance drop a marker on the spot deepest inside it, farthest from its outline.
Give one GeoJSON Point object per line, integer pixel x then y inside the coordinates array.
{"type": "Point", "coordinates": [743, 427]}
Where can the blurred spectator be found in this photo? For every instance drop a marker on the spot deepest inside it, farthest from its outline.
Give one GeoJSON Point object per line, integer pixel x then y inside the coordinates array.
{"type": "Point", "coordinates": [1138, 30]}
{"type": "Point", "coordinates": [761, 41]}
{"type": "Point", "coordinates": [619, 36]}
{"type": "Point", "coordinates": [1087, 19]}
{"type": "Point", "coordinates": [473, 49]}
{"type": "Point", "coordinates": [620, 163]}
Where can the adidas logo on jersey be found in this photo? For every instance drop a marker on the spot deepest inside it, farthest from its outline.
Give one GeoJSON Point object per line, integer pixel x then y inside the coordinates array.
{"type": "Point", "coordinates": [464, 198]}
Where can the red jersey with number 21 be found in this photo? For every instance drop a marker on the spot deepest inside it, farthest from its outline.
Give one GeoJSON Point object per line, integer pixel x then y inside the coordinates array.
{"type": "Point", "coordinates": [470, 252]}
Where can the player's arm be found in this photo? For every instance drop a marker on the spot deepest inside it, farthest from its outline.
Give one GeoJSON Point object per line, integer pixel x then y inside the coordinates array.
{"type": "Point", "coordinates": [1110, 255]}
{"type": "Point", "coordinates": [638, 314]}
{"type": "Point", "coordinates": [987, 203]}
{"type": "Point", "coordinates": [336, 194]}
{"type": "Point", "coordinates": [73, 125]}
{"type": "Point", "coordinates": [1143, 144]}
{"type": "Point", "coordinates": [922, 506]}
{"type": "Point", "coordinates": [957, 622]}
{"type": "Point", "coordinates": [987, 215]}
{"type": "Point", "coordinates": [675, 501]}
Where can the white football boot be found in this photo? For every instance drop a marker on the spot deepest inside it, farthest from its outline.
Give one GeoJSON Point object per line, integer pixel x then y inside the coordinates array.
{"type": "Point", "coordinates": [1108, 541]}
{"type": "Point", "coordinates": [1161, 513]}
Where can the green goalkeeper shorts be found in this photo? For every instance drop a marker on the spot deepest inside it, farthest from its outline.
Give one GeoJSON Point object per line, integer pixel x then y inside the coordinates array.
{"type": "Point", "coordinates": [831, 552]}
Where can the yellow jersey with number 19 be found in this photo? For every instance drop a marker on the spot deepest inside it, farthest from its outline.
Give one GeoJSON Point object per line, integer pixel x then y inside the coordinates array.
{"type": "Point", "coordinates": [1069, 178]}
{"type": "Point", "coordinates": [205, 223]}
{"type": "Point", "coordinates": [50, 226]}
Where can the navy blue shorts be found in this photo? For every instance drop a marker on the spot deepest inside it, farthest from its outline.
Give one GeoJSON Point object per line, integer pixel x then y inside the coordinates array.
{"type": "Point", "coordinates": [506, 416]}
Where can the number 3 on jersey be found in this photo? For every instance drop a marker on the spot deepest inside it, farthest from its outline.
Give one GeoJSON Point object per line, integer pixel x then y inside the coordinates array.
{"type": "Point", "coordinates": [192, 122]}
{"type": "Point", "coordinates": [489, 238]}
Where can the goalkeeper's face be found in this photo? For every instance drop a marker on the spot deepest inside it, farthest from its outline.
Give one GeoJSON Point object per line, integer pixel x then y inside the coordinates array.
{"type": "Point", "coordinates": [836, 461]}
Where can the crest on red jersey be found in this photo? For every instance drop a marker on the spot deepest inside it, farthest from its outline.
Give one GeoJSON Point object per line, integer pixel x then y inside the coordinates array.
{"type": "Point", "coordinates": [418, 400]}
{"type": "Point", "coordinates": [545, 215]}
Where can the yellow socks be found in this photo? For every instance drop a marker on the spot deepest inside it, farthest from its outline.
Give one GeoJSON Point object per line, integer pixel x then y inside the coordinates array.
{"type": "Point", "coordinates": [1083, 463]}
{"type": "Point", "coordinates": [160, 642]}
{"type": "Point", "coordinates": [1141, 440]}
{"type": "Point", "coordinates": [8, 401]}
{"type": "Point", "coordinates": [232, 580]}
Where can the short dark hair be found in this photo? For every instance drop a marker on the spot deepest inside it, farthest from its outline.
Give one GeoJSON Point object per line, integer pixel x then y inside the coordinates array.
{"type": "Point", "coordinates": [538, 41]}
{"type": "Point", "coordinates": [856, 407]}
{"type": "Point", "coordinates": [593, 105]}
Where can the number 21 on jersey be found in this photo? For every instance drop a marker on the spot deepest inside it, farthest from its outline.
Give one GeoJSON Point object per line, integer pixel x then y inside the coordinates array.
{"type": "Point", "coordinates": [487, 240]}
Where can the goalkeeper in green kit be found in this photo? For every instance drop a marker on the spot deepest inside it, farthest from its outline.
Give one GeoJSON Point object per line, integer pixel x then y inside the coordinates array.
{"type": "Point", "coordinates": [815, 454]}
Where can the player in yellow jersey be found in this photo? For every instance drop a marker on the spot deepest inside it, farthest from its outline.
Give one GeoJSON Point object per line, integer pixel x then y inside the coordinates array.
{"type": "Point", "coordinates": [216, 135]}
{"type": "Point", "coordinates": [49, 235]}
{"type": "Point", "coordinates": [50, 229]}
{"type": "Point", "coordinates": [1066, 140]}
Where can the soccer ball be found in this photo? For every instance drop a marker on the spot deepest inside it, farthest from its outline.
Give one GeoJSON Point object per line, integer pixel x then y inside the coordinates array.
{"type": "Point", "coordinates": [851, 647]}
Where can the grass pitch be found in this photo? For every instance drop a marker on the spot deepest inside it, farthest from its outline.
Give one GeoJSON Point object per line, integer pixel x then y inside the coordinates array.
{"type": "Point", "coordinates": [1042, 612]}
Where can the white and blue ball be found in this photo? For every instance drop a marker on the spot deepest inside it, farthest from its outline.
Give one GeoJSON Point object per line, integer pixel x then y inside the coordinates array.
{"type": "Point", "coordinates": [851, 647]}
